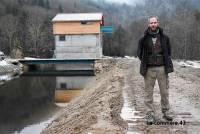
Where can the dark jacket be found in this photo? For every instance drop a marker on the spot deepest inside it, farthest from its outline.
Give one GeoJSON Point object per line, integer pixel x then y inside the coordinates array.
{"type": "Point", "coordinates": [142, 52]}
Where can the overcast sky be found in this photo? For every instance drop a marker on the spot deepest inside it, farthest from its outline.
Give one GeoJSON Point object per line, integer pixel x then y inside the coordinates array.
{"type": "Point", "coordinates": [132, 2]}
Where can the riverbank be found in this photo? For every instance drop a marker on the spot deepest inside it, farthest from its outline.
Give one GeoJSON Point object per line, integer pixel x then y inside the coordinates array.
{"type": "Point", "coordinates": [8, 70]}
{"type": "Point", "coordinates": [98, 108]}
{"type": "Point", "coordinates": [27, 104]}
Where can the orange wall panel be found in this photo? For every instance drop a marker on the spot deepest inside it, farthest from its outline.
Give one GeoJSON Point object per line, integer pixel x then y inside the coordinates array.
{"type": "Point", "coordinates": [75, 28]}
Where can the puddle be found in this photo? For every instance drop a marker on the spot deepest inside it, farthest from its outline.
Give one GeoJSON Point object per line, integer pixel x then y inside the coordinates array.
{"type": "Point", "coordinates": [128, 112]}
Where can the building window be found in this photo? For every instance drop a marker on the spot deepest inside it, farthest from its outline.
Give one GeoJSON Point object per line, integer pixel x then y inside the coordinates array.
{"type": "Point", "coordinates": [63, 85]}
{"type": "Point", "coordinates": [62, 38]}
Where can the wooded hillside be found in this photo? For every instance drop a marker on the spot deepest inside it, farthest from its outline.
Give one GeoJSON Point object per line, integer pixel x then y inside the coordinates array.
{"type": "Point", "coordinates": [26, 24]}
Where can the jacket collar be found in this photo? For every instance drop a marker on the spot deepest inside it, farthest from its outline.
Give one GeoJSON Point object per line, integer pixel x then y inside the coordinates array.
{"type": "Point", "coordinates": [146, 32]}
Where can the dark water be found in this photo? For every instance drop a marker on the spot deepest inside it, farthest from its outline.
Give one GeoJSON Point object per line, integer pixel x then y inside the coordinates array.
{"type": "Point", "coordinates": [25, 101]}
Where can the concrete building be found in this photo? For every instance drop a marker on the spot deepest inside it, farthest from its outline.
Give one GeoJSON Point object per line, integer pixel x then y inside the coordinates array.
{"type": "Point", "coordinates": [78, 35]}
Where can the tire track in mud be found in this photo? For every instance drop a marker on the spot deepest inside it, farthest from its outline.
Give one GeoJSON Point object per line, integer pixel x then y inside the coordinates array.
{"type": "Point", "coordinates": [134, 98]}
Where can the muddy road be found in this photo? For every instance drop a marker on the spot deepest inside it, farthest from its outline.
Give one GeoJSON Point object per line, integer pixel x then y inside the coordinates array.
{"type": "Point", "coordinates": [118, 86]}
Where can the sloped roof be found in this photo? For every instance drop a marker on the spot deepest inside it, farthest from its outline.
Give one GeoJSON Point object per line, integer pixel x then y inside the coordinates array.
{"type": "Point", "coordinates": [78, 17]}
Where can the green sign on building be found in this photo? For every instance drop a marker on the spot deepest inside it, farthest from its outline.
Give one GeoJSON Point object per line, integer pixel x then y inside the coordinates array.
{"type": "Point", "coordinates": [107, 29]}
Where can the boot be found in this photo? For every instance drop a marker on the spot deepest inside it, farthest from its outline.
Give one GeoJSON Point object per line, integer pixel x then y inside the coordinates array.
{"type": "Point", "coordinates": [168, 116]}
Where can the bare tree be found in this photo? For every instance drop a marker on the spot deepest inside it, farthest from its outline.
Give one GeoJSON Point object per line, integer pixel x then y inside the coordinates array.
{"type": "Point", "coordinates": [35, 27]}
{"type": "Point", "coordinates": [8, 27]}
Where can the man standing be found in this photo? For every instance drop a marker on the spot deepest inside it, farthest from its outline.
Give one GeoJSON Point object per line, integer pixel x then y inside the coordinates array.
{"type": "Point", "coordinates": [154, 52]}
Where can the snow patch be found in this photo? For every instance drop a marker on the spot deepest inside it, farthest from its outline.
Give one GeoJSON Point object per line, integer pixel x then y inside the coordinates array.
{"type": "Point", "coordinates": [29, 58]}
{"type": "Point", "coordinates": [5, 77]}
{"type": "Point", "coordinates": [128, 112]}
{"type": "Point", "coordinates": [188, 63]}
{"type": "Point", "coordinates": [130, 57]}
{"type": "Point", "coordinates": [3, 63]}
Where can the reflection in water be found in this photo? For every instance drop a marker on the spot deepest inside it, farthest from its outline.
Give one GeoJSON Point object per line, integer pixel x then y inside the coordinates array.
{"type": "Point", "coordinates": [78, 82]}
{"type": "Point", "coordinates": [25, 101]}
{"type": "Point", "coordinates": [66, 95]}
{"type": "Point", "coordinates": [69, 87]}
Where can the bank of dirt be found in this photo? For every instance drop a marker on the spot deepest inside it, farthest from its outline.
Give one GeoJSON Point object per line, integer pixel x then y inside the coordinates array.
{"type": "Point", "coordinates": [97, 110]}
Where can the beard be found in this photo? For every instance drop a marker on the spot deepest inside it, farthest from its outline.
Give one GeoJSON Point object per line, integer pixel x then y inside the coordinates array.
{"type": "Point", "coordinates": [154, 28]}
